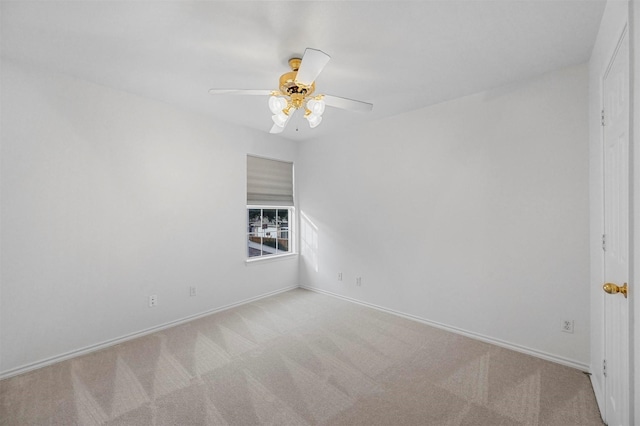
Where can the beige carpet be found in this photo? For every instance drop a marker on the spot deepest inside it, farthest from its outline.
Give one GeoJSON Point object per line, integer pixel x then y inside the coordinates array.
{"type": "Point", "coordinates": [301, 358]}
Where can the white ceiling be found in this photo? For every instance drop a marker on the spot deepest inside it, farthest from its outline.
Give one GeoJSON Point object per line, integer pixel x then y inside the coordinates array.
{"type": "Point", "coordinates": [398, 55]}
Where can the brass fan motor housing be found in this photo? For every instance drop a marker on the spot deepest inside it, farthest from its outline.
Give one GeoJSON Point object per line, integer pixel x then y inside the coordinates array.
{"type": "Point", "coordinates": [288, 85]}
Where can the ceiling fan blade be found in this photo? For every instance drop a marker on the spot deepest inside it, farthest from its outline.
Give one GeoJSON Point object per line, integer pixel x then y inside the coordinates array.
{"type": "Point", "coordinates": [313, 61]}
{"type": "Point", "coordinates": [345, 103]}
{"type": "Point", "coordinates": [276, 129]}
{"type": "Point", "coordinates": [240, 92]}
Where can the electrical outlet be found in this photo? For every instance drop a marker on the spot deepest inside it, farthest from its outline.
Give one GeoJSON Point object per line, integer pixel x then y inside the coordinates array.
{"type": "Point", "coordinates": [358, 281]}
{"type": "Point", "coordinates": [192, 290]}
{"type": "Point", "coordinates": [339, 276]}
{"type": "Point", "coordinates": [153, 301]}
{"type": "Point", "coordinates": [567, 326]}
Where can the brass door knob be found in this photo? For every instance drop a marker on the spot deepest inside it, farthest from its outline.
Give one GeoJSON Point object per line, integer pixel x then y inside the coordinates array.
{"type": "Point", "coordinates": [611, 288]}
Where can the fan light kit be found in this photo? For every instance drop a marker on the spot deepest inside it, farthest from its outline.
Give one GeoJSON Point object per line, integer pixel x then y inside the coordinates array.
{"type": "Point", "coordinates": [294, 95]}
{"type": "Point", "coordinates": [296, 91]}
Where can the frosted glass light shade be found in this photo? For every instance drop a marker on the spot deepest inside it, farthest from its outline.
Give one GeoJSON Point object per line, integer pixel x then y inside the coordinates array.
{"type": "Point", "coordinates": [316, 107]}
{"type": "Point", "coordinates": [280, 119]}
{"type": "Point", "coordinates": [277, 104]}
{"type": "Point", "coordinates": [314, 120]}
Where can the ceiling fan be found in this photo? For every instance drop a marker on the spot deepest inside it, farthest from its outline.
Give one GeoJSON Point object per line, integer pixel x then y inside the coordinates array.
{"type": "Point", "coordinates": [297, 91]}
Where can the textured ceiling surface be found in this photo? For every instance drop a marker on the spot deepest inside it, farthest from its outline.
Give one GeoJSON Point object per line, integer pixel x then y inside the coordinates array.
{"type": "Point", "coordinates": [398, 55]}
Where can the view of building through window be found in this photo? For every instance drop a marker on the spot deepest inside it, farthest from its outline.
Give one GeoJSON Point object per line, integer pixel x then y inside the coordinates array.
{"type": "Point", "coordinates": [268, 231]}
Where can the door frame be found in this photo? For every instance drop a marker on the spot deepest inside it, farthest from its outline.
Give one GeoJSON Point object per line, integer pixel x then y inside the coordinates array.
{"type": "Point", "coordinates": [634, 203]}
{"type": "Point", "coordinates": [617, 15]}
{"type": "Point", "coordinates": [625, 32]}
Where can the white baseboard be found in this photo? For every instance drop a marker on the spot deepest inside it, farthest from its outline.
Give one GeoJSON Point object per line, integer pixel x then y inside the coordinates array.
{"type": "Point", "coordinates": [92, 348]}
{"type": "Point", "coordinates": [515, 347]}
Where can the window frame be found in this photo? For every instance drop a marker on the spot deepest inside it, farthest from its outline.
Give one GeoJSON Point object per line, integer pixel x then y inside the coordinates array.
{"type": "Point", "coordinates": [290, 234]}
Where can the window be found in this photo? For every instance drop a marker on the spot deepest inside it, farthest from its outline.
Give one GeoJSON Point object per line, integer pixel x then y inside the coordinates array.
{"type": "Point", "coordinates": [268, 231]}
{"type": "Point", "coordinates": [269, 207]}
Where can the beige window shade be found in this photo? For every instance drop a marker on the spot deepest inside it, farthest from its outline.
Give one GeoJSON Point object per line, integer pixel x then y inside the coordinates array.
{"type": "Point", "coordinates": [269, 182]}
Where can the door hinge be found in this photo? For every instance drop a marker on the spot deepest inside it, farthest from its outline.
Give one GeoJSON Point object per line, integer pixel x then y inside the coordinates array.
{"type": "Point", "coordinates": [602, 118]}
{"type": "Point", "coordinates": [604, 367]}
{"type": "Point", "coordinates": [604, 242]}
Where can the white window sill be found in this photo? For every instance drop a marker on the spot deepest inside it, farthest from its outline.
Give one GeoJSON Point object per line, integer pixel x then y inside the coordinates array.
{"type": "Point", "coordinates": [262, 259]}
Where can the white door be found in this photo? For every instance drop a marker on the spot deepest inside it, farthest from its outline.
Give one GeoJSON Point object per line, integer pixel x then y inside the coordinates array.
{"type": "Point", "coordinates": [616, 229]}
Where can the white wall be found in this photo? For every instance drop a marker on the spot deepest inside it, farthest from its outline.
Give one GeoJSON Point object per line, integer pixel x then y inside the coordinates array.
{"type": "Point", "coordinates": [613, 21]}
{"type": "Point", "coordinates": [472, 214]}
{"type": "Point", "coordinates": [108, 198]}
